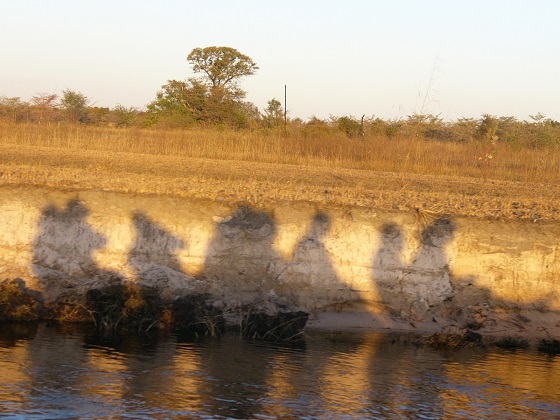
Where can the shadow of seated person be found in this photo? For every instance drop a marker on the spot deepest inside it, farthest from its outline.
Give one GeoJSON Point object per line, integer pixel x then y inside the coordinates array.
{"type": "Point", "coordinates": [153, 257]}
{"type": "Point", "coordinates": [63, 250]}
{"type": "Point", "coordinates": [411, 290]}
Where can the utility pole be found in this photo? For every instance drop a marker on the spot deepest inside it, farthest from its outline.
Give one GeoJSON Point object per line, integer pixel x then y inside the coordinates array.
{"type": "Point", "coordinates": [285, 109]}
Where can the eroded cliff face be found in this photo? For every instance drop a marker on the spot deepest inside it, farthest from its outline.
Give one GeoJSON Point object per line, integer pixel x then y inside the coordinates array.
{"type": "Point", "coordinates": [398, 266]}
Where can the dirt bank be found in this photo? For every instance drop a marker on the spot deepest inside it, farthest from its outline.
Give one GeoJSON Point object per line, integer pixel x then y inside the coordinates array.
{"type": "Point", "coordinates": [396, 269]}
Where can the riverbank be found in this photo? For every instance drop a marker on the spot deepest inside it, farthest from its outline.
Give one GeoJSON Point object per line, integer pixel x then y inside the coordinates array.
{"type": "Point", "coordinates": [402, 270]}
{"type": "Point", "coordinates": [523, 325]}
{"type": "Point", "coordinates": [413, 234]}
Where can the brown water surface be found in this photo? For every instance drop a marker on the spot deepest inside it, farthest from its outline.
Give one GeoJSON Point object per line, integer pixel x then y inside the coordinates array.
{"type": "Point", "coordinates": [48, 372]}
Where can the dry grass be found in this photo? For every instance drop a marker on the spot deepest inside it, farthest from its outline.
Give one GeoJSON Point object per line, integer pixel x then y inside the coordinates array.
{"type": "Point", "coordinates": [260, 167]}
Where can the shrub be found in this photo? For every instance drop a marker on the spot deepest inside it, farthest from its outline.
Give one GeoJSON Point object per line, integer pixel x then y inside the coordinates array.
{"type": "Point", "coordinates": [18, 303]}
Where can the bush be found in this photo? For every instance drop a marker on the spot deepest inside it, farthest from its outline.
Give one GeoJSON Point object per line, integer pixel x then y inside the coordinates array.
{"type": "Point", "coordinates": [512, 343]}
{"type": "Point", "coordinates": [349, 126]}
{"type": "Point", "coordinates": [550, 346]}
{"type": "Point", "coordinates": [18, 303]}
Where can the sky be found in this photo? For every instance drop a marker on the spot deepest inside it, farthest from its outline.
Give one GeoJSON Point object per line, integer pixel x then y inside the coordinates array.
{"type": "Point", "coordinates": [387, 59]}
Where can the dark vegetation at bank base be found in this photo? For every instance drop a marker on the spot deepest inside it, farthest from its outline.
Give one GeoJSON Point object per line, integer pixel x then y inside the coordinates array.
{"type": "Point", "coordinates": [468, 338]}
{"type": "Point", "coordinates": [18, 303]}
{"type": "Point", "coordinates": [129, 308]}
{"type": "Point", "coordinates": [138, 309]}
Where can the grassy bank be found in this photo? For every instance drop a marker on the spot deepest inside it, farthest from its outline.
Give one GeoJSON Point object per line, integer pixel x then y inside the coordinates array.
{"type": "Point", "coordinates": [475, 179]}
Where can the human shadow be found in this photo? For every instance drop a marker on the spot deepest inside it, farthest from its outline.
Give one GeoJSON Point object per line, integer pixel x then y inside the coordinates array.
{"type": "Point", "coordinates": [388, 267]}
{"type": "Point", "coordinates": [410, 291]}
{"type": "Point", "coordinates": [64, 247]}
{"type": "Point", "coordinates": [154, 247]}
{"type": "Point", "coordinates": [313, 281]}
{"type": "Point", "coordinates": [64, 262]}
{"type": "Point", "coordinates": [243, 272]}
{"type": "Point", "coordinates": [162, 281]}
{"type": "Point", "coordinates": [426, 289]}
{"type": "Point", "coordinates": [240, 260]}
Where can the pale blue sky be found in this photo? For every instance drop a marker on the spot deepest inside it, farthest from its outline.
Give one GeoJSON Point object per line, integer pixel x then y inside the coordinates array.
{"type": "Point", "coordinates": [347, 57]}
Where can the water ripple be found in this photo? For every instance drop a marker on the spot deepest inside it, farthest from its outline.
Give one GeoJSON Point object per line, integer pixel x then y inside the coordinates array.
{"type": "Point", "coordinates": [59, 374]}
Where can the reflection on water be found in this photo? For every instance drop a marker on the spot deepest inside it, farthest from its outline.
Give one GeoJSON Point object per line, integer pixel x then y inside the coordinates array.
{"type": "Point", "coordinates": [52, 373]}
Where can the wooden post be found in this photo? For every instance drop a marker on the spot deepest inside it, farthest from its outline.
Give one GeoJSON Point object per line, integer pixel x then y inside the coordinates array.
{"type": "Point", "coordinates": [362, 126]}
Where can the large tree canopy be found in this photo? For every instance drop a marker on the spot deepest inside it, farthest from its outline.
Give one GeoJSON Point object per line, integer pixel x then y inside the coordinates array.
{"type": "Point", "coordinates": [223, 66]}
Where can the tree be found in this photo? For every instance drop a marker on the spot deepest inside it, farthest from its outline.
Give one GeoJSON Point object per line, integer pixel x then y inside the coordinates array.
{"type": "Point", "coordinates": [539, 118]}
{"type": "Point", "coordinates": [488, 128]}
{"type": "Point", "coordinates": [75, 104]}
{"type": "Point", "coordinates": [180, 103]}
{"type": "Point", "coordinates": [45, 105]}
{"type": "Point", "coordinates": [123, 116]}
{"type": "Point", "coordinates": [222, 66]}
{"type": "Point", "coordinates": [214, 98]}
{"type": "Point", "coordinates": [96, 115]}
{"type": "Point", "coordinates": [13, 108]}
{"type": "Point", "coordinates": [349, 125]}
{"type": "Point", "coordinates": [273, 113]}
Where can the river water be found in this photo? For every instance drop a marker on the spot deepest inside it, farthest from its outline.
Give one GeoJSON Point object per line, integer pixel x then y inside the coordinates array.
{"type": "Point", "coordinates": [48, 372]}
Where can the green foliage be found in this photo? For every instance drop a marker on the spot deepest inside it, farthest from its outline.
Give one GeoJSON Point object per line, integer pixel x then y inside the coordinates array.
{"type": "Point", "coordinates": [222, 66]}
{"type": "Point", "coordinates": [179, 103]}
{"type": "Point", "coordinates": [273, 113]}
{"type": "Point", "coordinates": [247, 115]}
{"type": "Point", "coordinates": [123, 116]}
{"type": "Point", "coordinates": [13, 109]}
{"type": "Point", "coordinates": [349, 126]}
{"type": "Point", "coordinates": [316, 128]}
{"type": "Point", "coordinates": [215, 100]}
{"type": "Point", "coordinates": [374, 126]}
{"type": "Point", "coordinates": [544, 132]}
{"type": "Point", "coordinates": [97, 115]}
{"type": "Point", "coordinates": [488, 128]}
{"type": "Point", "coordinates": [464, 130]}
{"type": "Point", "coordinates": [393, 128]}
{"type": "Point", "coordinates": [75, 105]}
{"type": "Point", "coordinates": [222, 106]}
